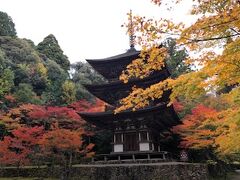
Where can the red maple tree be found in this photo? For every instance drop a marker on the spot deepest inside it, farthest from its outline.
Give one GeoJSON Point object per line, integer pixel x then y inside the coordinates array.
{"type": "Point", "coordinates": [197, 129]}
{"type": "Point", "coordinates": [17, 148]}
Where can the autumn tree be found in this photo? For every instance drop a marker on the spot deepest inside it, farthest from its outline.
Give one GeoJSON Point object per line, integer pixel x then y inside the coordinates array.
{"type": "Point", "coordinates": [63, 134]}
{"type": "Point", "coordinates": [100, 139]}
{"type": "Point", "coordinates": [217, 70]}
{"type": "Point", "coordinates": [18, 148]}
{"type": "Point", "coordinates": [194, 133]}
{"type": "Point", "coordinates": [213, 126]}
{"type": "Point", "coordinates": [217, 27]}
{"type": "Point", "coordinates": [66, 117]}
{"type": "Point", "coordinates": [46, 116]}
{"type": "Point", "coordinates": [62, 145]}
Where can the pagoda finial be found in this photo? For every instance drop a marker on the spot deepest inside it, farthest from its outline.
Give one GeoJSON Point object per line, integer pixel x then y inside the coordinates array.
{"type": "Point", "coordinates": [131, 31]}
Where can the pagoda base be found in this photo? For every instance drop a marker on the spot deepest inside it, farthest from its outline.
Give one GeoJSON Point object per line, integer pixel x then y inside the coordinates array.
{"type": "Point", "coordinates": [132, 157]}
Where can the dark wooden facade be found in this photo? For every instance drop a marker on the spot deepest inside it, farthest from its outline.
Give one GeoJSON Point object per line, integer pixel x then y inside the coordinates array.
{"type": "Point", "coordinates": [133, 131]}
{"type": "Point", "coordinates": [112, 67]}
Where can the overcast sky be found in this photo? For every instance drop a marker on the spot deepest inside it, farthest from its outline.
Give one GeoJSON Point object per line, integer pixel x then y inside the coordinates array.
{"type": "Point", "coordinates": [84, 29]}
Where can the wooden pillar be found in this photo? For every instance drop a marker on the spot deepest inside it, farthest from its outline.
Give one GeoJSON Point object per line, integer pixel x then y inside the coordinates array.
{"type": "Point", "coordinates": [164, 157]}
{"type": "Point", "coordinates": [133, 157]}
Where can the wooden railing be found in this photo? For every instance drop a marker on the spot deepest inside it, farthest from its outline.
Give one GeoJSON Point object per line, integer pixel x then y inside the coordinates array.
{"type": "Point", "coordinates": [132, 156]}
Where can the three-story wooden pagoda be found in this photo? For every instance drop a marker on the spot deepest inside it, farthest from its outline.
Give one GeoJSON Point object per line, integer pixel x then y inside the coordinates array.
{"type": "Point", "coordinates": [142, 130]}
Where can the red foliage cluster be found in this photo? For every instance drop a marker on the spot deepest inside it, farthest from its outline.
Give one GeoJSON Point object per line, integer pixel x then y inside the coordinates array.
{"type": "Point", "coordinates": [10, 98]}
{"type": "Point", "coordinates": [61, 140]}
{"type": "Point", "coordinates": [178, 106]}
{"type": "Point", "coordinates": [193, 130]}
{"type": "Point", "coordinates": [16, 149]}
{"type": "Point", "coordinates": [49, 128]}
{"type": "Point", "coordinates": [83, 105]}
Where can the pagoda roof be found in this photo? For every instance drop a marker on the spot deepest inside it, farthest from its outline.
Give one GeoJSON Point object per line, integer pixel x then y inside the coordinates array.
{"type": "Point", "coordinates": [112, 92]}
{"type": "Point", "coordinates": [129, 53]}
{"type": "Point", "coordinates": [112, 67]}
{"type": "Point", "coordinates": [165, 116]}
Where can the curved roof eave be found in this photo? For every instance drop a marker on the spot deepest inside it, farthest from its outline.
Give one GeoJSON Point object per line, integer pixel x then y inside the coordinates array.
{"type": "Point", "coordinates": [113, 58]}
{"type": "Point", "coordinates": [110, 114]}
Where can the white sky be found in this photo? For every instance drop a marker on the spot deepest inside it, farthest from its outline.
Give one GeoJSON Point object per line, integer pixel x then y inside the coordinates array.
{"type": "Point", "coordinates": [84, 29]}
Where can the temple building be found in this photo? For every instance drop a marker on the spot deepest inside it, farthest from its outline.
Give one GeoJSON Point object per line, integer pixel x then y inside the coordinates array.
{"type": "Point", "coordinates": [142, 130]}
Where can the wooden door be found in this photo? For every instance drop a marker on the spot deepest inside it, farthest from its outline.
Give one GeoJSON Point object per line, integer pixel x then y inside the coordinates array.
{"type": "Point", "coordinates": [130, 142]}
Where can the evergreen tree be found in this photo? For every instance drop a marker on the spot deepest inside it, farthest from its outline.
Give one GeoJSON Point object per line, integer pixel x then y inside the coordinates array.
{"type": "Point", "coordinates": [25, 94]}
{"type": "Point", "coordinates": [7, 27]}
{"type": "Point", "coordinates": [56, 76]}
{"type": "Point", "coordinates": [176, 58]}
{"type": "Point", "coordinates": [82, 73]}
{"type": "Point", "coordinates": [50, 47]}
{"type": "Point", "coordinates": [6, 81]}
{"type": "Point", "coordinates": [18, 51]}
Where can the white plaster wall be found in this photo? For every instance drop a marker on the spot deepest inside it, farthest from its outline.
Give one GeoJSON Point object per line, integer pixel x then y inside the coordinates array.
{"type": "Point", "coordinates": [144, 146]}
{"type": "Point", "coordinates": [118, 148]}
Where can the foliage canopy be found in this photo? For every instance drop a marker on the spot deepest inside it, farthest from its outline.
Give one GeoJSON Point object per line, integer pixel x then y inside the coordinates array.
{"type": "Point", "coordinates": [7, 27]}
{"type": "Point", "coordinates": [218, 27]}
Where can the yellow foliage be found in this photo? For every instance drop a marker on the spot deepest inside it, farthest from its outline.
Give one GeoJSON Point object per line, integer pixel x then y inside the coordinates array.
{"type": "Point", "coordinates": [42, 70]}
{"type": "Point", "coordinates": [217, 28]}
{"type": "Point", "coordinates": [69, 92]}
{"type": "Point", "coordinates": [220, 27]}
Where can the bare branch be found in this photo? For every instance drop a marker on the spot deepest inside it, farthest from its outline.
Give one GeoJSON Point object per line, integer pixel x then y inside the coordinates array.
{"type": "Point", "coordinates": [211, 39]}
{"type": "Point", "coordinates": [235, 31]}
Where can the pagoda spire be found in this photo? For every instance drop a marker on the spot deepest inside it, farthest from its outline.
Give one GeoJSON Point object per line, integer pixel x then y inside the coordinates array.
{"type": "Point", "coordinates": [131, 31]}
